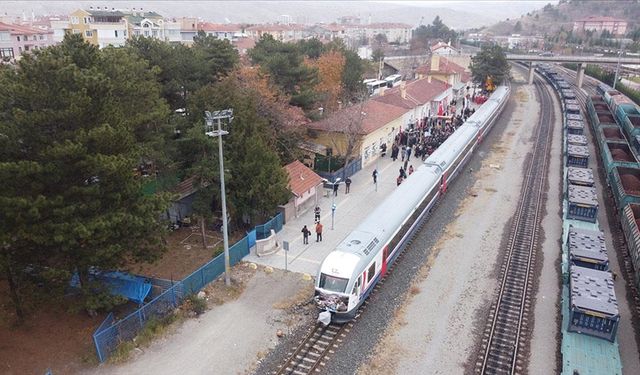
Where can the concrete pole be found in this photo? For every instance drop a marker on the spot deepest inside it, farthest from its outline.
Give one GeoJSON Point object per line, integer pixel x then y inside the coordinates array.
{"type": "Point", "coordinates": [580, 75]}
{"type": "Point", "coordinates": [615, 79]}
{"type": "Point", "coordinates": [530, 78]}
{"type": "Point", "coordinates": [225, 235]}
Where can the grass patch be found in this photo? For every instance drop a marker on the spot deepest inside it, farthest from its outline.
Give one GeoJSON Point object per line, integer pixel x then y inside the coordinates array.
{"type": "Point", "coordinates": [153, 329]}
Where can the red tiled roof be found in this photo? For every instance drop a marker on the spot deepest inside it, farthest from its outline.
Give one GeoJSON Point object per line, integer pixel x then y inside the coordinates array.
{"type": "Point", "coordinates": [244, 43]}
{"type": "Point", "coordinates": [18, 29]}
{"type": "Point", "coordinates": [229, 27]}
{"type": "Point", "coordinates": [301, 178]}
{"type": "Point", "coordinates": [445, 66]}
{"type": "Point", "coordinates": [418, 92]}
{"type": "Point", "coordinates": [375, 114]}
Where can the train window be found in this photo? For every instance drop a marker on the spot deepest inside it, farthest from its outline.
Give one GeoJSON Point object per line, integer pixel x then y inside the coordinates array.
{"type": "Point", "coordinates": [332, 283]}
{"type": "Point", "coordinates": [372, 272]}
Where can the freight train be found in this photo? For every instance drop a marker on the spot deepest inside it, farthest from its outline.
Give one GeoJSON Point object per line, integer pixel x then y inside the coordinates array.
{"type": "Point", "coordinates": [590, 315]}
{"type": "Point", "coordinates": [349, 273]}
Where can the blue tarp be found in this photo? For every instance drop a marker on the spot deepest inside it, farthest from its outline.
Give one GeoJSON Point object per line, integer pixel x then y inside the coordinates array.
{"type": "Point", "coordinates": [134, 288]}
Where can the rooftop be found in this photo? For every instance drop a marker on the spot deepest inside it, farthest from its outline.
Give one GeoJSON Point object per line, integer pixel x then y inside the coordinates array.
{"type": "Point", "coordinates": [225, 27]}
{"type": "Point", "coordinates": [374, 115]}
{"type": "Point", "coordinates": [418, 92]}
{"type": "Point", "coordinates": [301, 178]}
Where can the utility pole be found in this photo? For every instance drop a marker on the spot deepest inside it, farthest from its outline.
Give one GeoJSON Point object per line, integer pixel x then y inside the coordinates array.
{"type": "Point", "coordinates": [615, 79]}
{"type": "Point", "coordinates": [209, 117]}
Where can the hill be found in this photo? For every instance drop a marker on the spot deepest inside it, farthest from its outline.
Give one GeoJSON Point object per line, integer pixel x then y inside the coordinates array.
{"type": "Point", "coordinates": [553, 18]}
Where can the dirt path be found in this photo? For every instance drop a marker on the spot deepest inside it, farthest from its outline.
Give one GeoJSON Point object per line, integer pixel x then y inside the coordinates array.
{"type": "Point", "coordinates": [436, 328]}
{"type": "Point", "coordinates": [228, 339]}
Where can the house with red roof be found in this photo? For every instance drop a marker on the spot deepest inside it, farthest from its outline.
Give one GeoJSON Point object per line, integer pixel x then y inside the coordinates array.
{"type": "Point", "coordinates": [444, 49]}
{"type": "Point", "coordinates": [15, 40]}
{"type": "Point", "coordinates": [304, 185]}
{"type": "Point", "coordinates": [445, 70]}
{"type": "Point", "coordinates": [364, 127]}
{"type": "Point", "coordinates": [223, 31]}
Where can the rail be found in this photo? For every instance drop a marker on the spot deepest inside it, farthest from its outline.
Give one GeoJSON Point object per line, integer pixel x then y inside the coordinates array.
{"type": "Point", "coordinates": [504, 343]}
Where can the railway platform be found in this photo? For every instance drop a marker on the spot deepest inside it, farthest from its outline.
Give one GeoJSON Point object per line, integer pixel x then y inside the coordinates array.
{"type": "Point", "coordinates": [350, 210]}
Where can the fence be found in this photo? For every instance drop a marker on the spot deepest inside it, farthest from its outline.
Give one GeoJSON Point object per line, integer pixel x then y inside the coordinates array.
{"type": "Point", "coordinates": [344, 172]}
{"type": "Point", "coordinates": [263, 231]}
{"type": "Point", "coordinates": [110, 334]}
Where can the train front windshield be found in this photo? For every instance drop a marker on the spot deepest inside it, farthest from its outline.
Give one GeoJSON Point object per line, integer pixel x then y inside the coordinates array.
{"type": "Point", "coordinates": [332, 283]}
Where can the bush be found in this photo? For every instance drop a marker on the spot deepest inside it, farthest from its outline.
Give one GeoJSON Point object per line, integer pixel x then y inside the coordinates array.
{"type": "Point", "coordinates": [195, 304]}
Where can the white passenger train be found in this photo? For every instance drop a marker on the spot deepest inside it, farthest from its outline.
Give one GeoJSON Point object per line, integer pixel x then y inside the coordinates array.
{"type": "Point", "coordinates": [349, 273]}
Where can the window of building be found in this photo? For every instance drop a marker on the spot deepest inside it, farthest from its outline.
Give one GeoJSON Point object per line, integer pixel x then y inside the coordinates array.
{"type": "Point", "coordinates": [88, 33]}
{"type": "Point", "coordinates": [7, 53]}
{"type": "Point", "coordinates": [116, 32]}
{"type": "Point", "coordinates": [87, 20]}
{"type": "Point", "coordinates": [76, 31]}
{"type": "Point", "coordinates": [26, 48]}
{"type": "Point", "coordinates": [124, 33]}
{"type": "Point", "coordinates": [146, 33]}
{"type": "Point", "coordinates": [137, 32]}
{"type": "Point", "coordinates": [75, 20]}
{"type": "Point", "coordinates": [155, 33]}
{"type": "Point", "coordinates": [18, 38]}
{"type": "Point", "coordinates": [371, 273]}
{"type": "Point", "coordinates": [41, 37]}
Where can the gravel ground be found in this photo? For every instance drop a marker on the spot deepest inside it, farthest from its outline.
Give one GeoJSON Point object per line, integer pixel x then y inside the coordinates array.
{"type": "Point", "coordinates": [386, 303]}
{"type": "Point", "coordinates": [230, 338]}
{"type": "Point", "coordinates": [544, 341]}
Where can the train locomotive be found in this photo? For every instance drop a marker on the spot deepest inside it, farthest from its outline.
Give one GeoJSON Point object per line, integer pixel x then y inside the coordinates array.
{"type": "Point", "coordinates": [348, 274]}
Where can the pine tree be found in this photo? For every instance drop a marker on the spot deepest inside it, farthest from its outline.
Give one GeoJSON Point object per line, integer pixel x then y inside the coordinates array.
{"type": "Point", "coordinates": [80, 121]}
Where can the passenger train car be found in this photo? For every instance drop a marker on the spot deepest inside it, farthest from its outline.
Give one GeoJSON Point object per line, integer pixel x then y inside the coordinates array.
{"type": "Point", "coordinates": [349, 273]}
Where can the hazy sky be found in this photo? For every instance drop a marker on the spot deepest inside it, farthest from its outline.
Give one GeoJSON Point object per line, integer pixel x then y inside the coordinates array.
{"type": "Point", "coordinates": [457, 14]}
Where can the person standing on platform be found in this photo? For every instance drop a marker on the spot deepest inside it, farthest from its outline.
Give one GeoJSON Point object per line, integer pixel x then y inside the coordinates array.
{"type": "Point", "coordinates": [347, 184]}
{"type": "Point", "coordinates": [316, 211]}
{"type": "Point", "coordinates": [375, 176]}
{"type": "Point", "coordinates": [318, 232]}
{"type": "Point", "coordinates": [305, 235]}
{"type": "Point", "coordinates": [399, 180]}
{"type": "Point", "coordinates": [335, 189]}
{"type": "Point", "coordinates": [410, 169]}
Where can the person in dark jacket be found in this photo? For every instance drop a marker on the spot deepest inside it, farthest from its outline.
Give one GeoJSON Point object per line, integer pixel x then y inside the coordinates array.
{"type": "Point", "coordinates": [305, 235]}
{"type": "Point", "coordinates": [347, 185]}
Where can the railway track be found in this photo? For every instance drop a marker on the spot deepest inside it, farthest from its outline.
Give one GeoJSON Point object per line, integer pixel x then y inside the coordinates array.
{"type": "Point", "coordinates": [504, 342]}
{"type": "Point", "coordinates": [313, 350]}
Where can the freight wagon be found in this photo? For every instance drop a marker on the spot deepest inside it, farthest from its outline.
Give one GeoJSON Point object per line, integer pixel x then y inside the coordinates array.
{"type": "Point", "coordinates": [587, 249]}
{"type": "Point", "coordinates": [594, 307]}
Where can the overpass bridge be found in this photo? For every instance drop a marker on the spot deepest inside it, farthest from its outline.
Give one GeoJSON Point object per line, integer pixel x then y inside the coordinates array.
{"type": "Point", "coordinates": [582, 61]}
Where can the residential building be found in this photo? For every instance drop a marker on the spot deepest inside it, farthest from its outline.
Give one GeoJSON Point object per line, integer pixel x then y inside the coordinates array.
{"type": "Point", "coordinates": [100, 27]}
{"type": "Point", "coordinates": [147, 24]}
{"type": "Point", "coordinates": [444, 49]}
{"type": "Point", "coordinates": [230, 32]}
{"type": "Point", "coordinates": [283, 33]}
{"type": "Point", "coordinates": [445, 70]}
{"type": "Point", "coordinates": [377, 121]}
{"type": "Point", "coordinates": [395, 32]}
{"type": "Point", "coordinates": [599, 23]}
{"type": "Point", "coordinates": [188, 29]}
{"type": "Point", "coordinates": [304, 185]}
{"type": "Point", "coordinates": [15, 40]}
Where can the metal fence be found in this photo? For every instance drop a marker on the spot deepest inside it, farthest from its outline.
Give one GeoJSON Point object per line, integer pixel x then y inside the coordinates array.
{"type": "Point", "coordinates": [110, 333]}
{"type": "Point", "coordinates": [263, 231]}
{"type": "Point", "coordinates": [344, 172]}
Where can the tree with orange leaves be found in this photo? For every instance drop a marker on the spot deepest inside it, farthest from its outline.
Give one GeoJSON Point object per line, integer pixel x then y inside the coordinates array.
{"type": "Point", "coordinates": [330, 66]}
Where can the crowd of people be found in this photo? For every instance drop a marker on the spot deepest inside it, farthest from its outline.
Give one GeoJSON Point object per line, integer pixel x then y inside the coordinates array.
{"type": "Point", "coordinates": [425, 137]}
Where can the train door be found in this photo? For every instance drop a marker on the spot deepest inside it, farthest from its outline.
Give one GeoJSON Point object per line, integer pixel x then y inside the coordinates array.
{"type": "Point", "coordinates": [443, 185]}
{"type": "Point", "coordinates": [385, 255]}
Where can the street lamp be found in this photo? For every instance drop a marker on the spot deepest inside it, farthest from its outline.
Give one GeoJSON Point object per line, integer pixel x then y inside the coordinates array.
{"type": "Point", "coordinates": [209, 131]}
{"type": "Point", "coordinates": [333, 202]}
